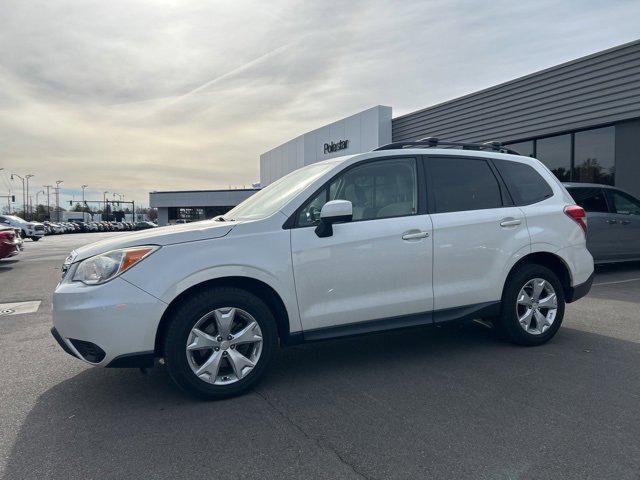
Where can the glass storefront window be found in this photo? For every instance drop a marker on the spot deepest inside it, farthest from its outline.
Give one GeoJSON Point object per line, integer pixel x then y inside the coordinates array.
{"type": "Point", "coordinates": [523, 148]}
{"type": "Point", "coordinates": [595, 156]}
{"type": "Point", "coordinates": [194, 214]}
{"type": "Point", "coordinates": [555, 153]}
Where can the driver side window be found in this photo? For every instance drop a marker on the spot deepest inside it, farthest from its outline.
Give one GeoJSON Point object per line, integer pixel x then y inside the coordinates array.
{"type": "Point", "coordinates": [380, 189]}
{"type": "Point", "coordinates": [624, 204]}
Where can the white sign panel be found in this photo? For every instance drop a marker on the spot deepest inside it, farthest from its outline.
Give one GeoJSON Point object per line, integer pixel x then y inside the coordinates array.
{"type": "Point", "coordinates": [357, 133]}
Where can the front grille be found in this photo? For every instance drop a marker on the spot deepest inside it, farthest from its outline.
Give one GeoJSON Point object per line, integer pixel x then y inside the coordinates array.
{"type": "Point", "coordinates": [89, 351]}
{"type": "Point", "coordinates": [39, 228]}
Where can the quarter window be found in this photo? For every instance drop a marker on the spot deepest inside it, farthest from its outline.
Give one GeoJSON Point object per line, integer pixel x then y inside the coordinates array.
{"type": "Point", "coordinates": [591, 199]}
{"type": "Point", "coordinates": [463, 184]}
{"type": "Point", "coordinates": [381, 189]}
{"type": "Point", "coordinates": [525, 184]}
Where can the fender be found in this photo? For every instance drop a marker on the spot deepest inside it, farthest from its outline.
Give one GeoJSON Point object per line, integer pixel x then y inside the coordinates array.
{"type": "Point", "coordinates": [235, 270]}
{"type": "Point", "coordinates": [539, 247]}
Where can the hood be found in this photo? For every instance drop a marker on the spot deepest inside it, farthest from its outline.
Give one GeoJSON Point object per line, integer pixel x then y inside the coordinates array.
{"type": "Point", "coordinates": [187, 232]}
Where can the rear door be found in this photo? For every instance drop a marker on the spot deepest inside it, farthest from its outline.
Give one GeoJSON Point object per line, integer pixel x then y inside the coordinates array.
{"type": "Point", "coordinates": [625, 211]}
{"type": "Point", "coordinates": [476, 231]}
{"type": "Point", "coordinates": [602, 232]}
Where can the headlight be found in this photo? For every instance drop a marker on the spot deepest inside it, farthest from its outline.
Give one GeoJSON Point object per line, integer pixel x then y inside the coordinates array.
{"type": "Point", "coordinates": [106, 266]}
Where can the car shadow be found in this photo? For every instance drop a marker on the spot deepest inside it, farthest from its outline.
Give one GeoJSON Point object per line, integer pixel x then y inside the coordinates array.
{"type": "Point", "coordinates": [6, 265]}
{"type": "Point", "coordinates": [448, 402]}
{"type": "Point", "coordinates": [604, 268]}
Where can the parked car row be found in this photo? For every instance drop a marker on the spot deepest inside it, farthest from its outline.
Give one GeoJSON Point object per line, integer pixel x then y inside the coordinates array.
{"type": "Point", "coordinates": [36, 230]}
{"type": "Point", "coordinates": [77, 226]}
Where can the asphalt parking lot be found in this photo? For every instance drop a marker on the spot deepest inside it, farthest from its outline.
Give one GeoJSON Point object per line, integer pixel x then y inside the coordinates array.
{"type": "Point", "coordinates": [449, 402]}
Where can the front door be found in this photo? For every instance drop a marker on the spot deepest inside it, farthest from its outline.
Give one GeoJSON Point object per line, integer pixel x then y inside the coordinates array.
{"type": "Point", "coordinates": [625, 210]}
{"type": "Point", "coordinates": [376, 267]}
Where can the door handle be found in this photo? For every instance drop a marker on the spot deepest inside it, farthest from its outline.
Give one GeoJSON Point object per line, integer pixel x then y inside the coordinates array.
{"type": "Point", "coordinates": [510, 222]}
{"type": "Point", "coordinates": [414, 235]}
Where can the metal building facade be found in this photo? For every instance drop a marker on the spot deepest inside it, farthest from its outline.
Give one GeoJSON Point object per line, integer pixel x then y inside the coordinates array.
{"type": "Point", "coordinates": [602, 89]}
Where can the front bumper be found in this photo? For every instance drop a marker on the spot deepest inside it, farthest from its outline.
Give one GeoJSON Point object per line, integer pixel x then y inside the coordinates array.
{"type": "Point", "coordinates": [113, 324]}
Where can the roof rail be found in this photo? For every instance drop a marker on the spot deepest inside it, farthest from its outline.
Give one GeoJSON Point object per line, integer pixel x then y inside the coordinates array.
{"type": "Point", "coordinates": [430, 142]}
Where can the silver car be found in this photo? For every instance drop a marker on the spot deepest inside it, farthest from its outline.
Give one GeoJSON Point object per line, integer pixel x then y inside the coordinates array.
{"type": "Point", "coordinates": [613, 219]}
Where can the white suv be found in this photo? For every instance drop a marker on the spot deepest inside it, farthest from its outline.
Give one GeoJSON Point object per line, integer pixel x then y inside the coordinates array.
{"type": "Point", "coordinates": [33, 230]}
{"type": "Point", "coordinates": [397, 237]}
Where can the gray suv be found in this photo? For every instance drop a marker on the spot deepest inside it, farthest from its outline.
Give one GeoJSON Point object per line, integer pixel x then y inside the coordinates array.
{"type": "Point", "coordinates": [613, 217]}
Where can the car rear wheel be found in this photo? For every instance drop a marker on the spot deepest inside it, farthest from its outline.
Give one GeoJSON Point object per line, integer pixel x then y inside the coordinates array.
{"type": "Point", "coordinates": [220, 343]}
{"type": "Point", "coordinates": [532, 306]}
{"type": "Point", "coordinates": [35, 239]}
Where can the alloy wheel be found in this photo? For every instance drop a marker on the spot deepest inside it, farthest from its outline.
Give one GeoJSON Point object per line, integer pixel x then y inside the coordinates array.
{"type": "Point", "coordinates": [224, 346]}
{"type": "Point", "coordinates": [537, 306]}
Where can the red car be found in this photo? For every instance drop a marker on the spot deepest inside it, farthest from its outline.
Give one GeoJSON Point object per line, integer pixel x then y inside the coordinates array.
{"type": "Point", "coordinates": [9, 243]}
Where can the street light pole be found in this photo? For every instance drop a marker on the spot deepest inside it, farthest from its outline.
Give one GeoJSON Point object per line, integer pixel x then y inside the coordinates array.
{"type": "Point", "coordinates": [27, 177]}
{"type": "Point", "coordinates": [8, 197]}
{"type": "Point", "coordinates": [84, 204]}
{"type": "Point", "coordinates": [58, 182]}
{"type": "Point", "coordinates": [104, 204]}
{"type": "Point", "coordinates": [48, 207]}
{"type": "Point", "coordinates": [23, 197]}
{"type": "Point", "coordinates": [38, 193]}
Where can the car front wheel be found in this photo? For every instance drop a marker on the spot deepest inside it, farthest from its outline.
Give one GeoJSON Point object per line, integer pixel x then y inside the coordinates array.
{"type": "Point", "coordinates": [532, 306]}
{"type": "Point", "coordinates": [220, 343]}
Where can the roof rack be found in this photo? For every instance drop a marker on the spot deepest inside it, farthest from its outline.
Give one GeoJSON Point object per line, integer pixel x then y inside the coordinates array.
{"type": "Point", "coordinates": [430, 142]}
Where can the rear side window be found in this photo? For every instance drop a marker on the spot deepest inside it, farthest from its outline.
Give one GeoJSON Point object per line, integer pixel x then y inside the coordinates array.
{"type": "Point", "coordinates": [591, 199]}
{"type": "Point", "coordinates": [461, 184]}
{"type": "Point", "coordinates": [525, 184]}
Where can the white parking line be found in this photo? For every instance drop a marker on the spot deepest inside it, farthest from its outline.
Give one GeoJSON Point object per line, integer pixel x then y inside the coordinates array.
{"type": "Point", "coordinates": [617, 281]}
{"type": "Point", "coordinates": [18, 308]}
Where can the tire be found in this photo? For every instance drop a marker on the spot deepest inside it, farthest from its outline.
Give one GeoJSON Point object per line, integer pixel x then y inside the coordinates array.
{"type": "Point", "coordinates": [35, 239]}
{"type": "Point", "coordinates": [200, 309]}
{"type": "Point", "coordinates": [508, 324]}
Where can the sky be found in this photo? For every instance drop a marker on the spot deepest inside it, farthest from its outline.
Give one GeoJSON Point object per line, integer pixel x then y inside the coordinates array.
{"type": "Point", "coordinates": [134, 96]}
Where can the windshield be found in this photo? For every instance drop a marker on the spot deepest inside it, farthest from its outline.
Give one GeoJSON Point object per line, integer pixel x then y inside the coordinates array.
{"type": "Point", "coordinates": [273, 197]}
{"type": "Point", "coordinates": [13, 218]}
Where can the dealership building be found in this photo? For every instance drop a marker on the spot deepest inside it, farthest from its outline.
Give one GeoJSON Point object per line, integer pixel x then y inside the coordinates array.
{"type": "Point", "coordinates": [193, 205]}
{"type": "Point", "coordinates": [580, 118]}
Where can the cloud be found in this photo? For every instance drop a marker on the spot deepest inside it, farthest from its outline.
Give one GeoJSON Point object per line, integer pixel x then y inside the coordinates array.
{"type": "Point", "coordinates": [133, 96]}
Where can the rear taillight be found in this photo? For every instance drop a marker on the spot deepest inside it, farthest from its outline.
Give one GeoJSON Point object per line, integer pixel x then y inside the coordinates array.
{"type": "Point", "coordinates": [578, 215]}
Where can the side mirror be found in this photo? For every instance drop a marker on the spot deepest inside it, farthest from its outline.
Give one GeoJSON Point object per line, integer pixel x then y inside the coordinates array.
{"type": "Point", "coordinates": [335, 211]}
